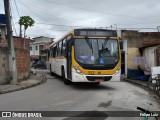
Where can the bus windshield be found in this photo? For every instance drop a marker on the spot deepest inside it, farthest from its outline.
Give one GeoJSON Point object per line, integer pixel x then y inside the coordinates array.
{"type": "Point", "coordinates": [96, 51]}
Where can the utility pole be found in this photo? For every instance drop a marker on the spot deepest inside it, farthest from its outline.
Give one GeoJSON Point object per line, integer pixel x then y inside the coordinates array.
{"type": "Point", "coordinates": [12, 59]}
{"type": "Point", "coordinates": [20, 31]}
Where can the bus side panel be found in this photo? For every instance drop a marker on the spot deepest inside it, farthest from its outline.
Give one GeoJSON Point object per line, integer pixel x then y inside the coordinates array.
{"type": "Point", "coordinates": [59, 63]}
{"type": "Point", "coordinates": [52, 64]}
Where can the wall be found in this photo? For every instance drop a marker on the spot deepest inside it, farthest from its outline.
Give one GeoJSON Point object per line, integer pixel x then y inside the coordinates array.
{"type": "Point", "coordinates": [4, 66]}
{"type": "Point", "coordinates": [132, 52]}
{"type": "Point", "coordinates": [34, 51]}
{"type": "Point", "coordinates": [22, 59]}
{"type": "Point", "coordinates": [150, 55]}
{"type": "Point", "coordinates": [136, 40]}
{"type": "Point", "coordinates": [150, 38]}
{"type": "Point", "coordinates": [158, 55]}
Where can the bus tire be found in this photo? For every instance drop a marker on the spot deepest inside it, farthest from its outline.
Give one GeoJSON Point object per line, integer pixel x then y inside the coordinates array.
{"type": "Point", "coordinates": [66, 81]}
{"type": "Point", "coordinates": [52, 74]}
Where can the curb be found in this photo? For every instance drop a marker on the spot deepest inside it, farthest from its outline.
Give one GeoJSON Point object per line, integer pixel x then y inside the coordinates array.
{"type": "Point", "coordinates": [144, 87]}
{"type": "Point", "coordinates": [42, 80]}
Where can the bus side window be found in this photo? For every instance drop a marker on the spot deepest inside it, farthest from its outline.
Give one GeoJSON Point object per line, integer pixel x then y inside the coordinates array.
{"type": "Point", "coordinates": [54, 51]}
{"type": "Point", "coordinates": [64, 48]}
{"type": "Point", "coordinates": [48, 54]}
{"type": "Point", "coordinates": [60, 46]}
{"type": "Point", "coordinates": [57, 49]}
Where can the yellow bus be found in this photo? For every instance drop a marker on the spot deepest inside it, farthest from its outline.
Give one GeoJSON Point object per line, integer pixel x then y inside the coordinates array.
{"type": "Point", "coordinates": [86, 55]}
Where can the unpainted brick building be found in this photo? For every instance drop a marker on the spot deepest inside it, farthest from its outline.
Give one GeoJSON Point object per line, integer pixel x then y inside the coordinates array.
{"type": "Point", "coordinates": [22, 59]}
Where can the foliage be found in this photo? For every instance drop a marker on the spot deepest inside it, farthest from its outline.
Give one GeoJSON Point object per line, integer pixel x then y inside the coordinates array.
{"type": "Point", "coordinates": [27, 21]}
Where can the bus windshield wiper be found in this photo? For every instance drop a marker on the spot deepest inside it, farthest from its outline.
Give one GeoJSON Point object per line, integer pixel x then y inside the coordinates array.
{"type": "Point", "coordinates": [89, 44]}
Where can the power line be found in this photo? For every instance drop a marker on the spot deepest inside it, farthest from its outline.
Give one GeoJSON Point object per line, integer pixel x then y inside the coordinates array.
{"type": "Point", "coordinates": [16, 8]}
{"type": "Point", "coordinates": [32, 7]}
{"type": "Point", "coordinates": [32, 11]}
{"type": "Point", "coordinates": [43, 11]}
{"type": "Point", "coordinates": [59, 25]}
{"type": "Point", "coordinates": [13, 23]}
{"type": "Point", "coordinates": [153, 20]}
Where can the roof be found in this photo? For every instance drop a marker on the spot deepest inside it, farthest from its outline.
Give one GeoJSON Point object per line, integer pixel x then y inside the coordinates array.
{"type": "Point", "coordinates": [42, 37]}
{"type": "Point", "coordinates": [2, 19]}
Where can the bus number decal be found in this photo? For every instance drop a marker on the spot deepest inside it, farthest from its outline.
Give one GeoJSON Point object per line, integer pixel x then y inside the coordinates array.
{"type": "Point", "coordinates": [91, 72]}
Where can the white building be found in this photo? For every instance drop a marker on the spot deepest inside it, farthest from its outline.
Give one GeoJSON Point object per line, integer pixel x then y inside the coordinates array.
{"type": "Point", "coordinates": [37, 45]}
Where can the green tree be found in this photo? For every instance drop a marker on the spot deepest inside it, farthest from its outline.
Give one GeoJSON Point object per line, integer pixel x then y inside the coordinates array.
{"type": "Point", "coordinates": [26, 21]}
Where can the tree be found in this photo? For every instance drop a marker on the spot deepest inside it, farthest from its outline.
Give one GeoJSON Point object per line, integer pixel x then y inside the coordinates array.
{"type": "Point", "coordinates": [26, 21]}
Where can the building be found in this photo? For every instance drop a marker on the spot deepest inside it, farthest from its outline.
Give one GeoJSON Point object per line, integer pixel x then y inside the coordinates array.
{"type": "Point", "coordinates": [21, 46]}
{"type": "Point", "coordinates": [139, 49]}
{"type": "Point", "coordinates": [37, 47]}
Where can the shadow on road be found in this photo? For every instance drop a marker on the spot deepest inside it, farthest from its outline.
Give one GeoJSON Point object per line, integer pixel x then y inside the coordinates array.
{"type": "Point", "coordinates": [90, 86]}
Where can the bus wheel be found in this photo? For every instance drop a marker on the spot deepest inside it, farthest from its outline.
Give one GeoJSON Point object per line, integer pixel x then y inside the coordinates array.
{"type": "Point", "coordinates": [66, 81]}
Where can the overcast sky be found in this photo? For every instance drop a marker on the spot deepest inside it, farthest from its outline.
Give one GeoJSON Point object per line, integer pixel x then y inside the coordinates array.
{"type": "Point", "coordinates": [55, 17]}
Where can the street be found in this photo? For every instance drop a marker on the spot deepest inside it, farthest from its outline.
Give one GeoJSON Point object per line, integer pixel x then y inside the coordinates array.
{"type": "Point", "coordinates": [55, 96]}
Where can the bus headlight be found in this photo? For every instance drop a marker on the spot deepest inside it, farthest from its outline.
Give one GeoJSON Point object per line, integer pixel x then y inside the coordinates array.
{"type": "Point", "coordinates": [77, 70]}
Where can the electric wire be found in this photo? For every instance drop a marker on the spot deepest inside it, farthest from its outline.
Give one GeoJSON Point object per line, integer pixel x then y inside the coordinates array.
{"type": "Point", "coordinates": [12, 20]}
{"type": "Point", "coordinates": [114, 14]}
{"type": "Point", "coordinates": [17, 8]}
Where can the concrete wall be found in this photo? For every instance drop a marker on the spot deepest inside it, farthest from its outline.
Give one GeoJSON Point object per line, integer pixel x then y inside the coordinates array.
{"type": "Point", "coordinates": [132, 52]}
{"type": "Point", "coordinates": [158, 55]}
{"type": "Point", "coordinates": [150, 55]}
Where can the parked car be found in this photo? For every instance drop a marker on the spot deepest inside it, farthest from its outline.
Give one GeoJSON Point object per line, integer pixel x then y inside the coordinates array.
{"type": "Point", "coordinates": [40, 64]}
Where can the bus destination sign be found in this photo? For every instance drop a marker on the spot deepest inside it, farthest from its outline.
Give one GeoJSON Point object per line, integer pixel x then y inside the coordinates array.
{"type": "Point", "coordinates": [99, 33]}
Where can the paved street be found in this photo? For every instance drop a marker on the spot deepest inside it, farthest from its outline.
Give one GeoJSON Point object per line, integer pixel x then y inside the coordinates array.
{"type": "Point", "coordinates": [55, 96]}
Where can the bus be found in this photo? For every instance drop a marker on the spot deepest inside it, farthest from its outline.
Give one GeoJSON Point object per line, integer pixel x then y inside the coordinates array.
{"type": "Point", "coordinates": [86, 55]}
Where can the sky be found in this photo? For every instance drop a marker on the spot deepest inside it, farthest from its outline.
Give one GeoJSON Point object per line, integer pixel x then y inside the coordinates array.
{"type": "Point", "coordinates": [53, 18]}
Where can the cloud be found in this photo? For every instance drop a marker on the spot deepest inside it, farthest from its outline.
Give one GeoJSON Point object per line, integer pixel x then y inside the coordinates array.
{"type": "Point", "coordinates": [86, 13]}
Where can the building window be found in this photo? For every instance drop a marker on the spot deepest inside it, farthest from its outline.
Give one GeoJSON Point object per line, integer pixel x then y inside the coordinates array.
{"type": "Point", "coordinates": [36, 47]}
{"type": "Point", "coordinates": [30, 48]}
{"type": "Point", "coordinates": [57, 48]}
{"type": "Point", "coordinates": [40, 47]}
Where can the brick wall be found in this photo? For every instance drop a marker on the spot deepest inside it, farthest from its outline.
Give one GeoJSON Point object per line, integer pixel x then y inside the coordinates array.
{"type": "Point", "coordinates": [22, 59]}
{"type": "Point", "coordinates": [23, 63]}
{"type": "Point", "coordinates": [3, 42]}
{"type": "Point", "coordinates": [4, 66]}
{"type": "Point", "coordinates": [141, 39]}
{"type": "Point", "coordinates": [150, 40]}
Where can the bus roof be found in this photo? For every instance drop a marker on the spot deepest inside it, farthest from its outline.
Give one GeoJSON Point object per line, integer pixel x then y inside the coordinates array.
{"type": "Point", "coordinates": [87, 32]}
{"type": "Point", "coordinates": [59, 39]}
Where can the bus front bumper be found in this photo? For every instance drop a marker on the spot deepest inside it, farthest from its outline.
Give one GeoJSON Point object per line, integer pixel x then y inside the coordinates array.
{"type": "Point", "coordinates": [76, 77]}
